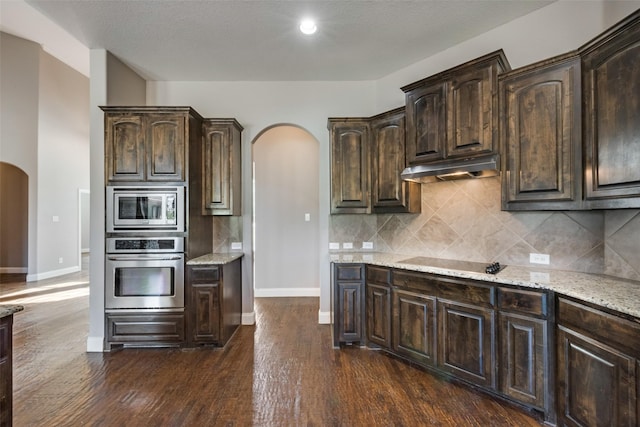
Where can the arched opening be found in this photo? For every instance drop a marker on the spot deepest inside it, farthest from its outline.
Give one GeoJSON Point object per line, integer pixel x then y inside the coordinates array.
{"type": "Point", "coordinates": [285, 212]}
{"type": "Point", "coordinates": [14, 219]}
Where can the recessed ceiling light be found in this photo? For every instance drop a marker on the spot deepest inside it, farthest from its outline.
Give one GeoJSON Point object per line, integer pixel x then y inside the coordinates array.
{"type": "Point", "coordinates": [308, 26]}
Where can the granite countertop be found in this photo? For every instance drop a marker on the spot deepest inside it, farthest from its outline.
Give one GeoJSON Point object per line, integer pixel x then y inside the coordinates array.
{"type": "Point", "coordinates": [8, 310]}
{"type": "Point", "coordinates": [614, 293]}
{"type": "Point", "coordinates": [220, 258]}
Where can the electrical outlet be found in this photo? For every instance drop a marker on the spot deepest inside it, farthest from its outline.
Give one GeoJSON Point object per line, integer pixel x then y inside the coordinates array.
{"type": "Point", "coordinates": [347, 245]}
{"type": "Point", "coordinates": [367, 245]}
{"type": "Point", "coordinates": [307, 217]}
{"type": "Point", "coordinates": [60, 260]}
{"type": "Point", "coordinates": [236, 246]}
{"type": "Point", "coordinates": [539, 258]}
{"type": "Point", "coordinates": [334, 246]}
{"type": "Point", "coordinates": [56, 218]}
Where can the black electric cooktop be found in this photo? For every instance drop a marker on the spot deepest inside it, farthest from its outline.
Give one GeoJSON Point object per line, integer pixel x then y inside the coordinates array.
{"type": "Point", "coordinates": [452, 264]}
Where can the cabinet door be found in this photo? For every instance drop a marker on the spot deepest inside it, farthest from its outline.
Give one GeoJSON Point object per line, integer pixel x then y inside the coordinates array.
{"type": "Point", "coordinates": [124, 148]}
{"type": "Point", "coordinates": [379, 315]}
{"type": "Point", "coordinates": [203, 304]}
{"type": "Point", "coordinates": [523, 341]}
{"type": "Point", "coordinates": [414, 323]}
{"type": "Point", "coordinates": [466, 342]}
{"type": "Point", "coordinates": [471, 128]}
{"type": "Point", "coordinates": [349, 306]}
{"type": "Point", "coordinates": [165, 148]}
{"type": "Point", "coordinates": [542, 136]}
{"type": "Point", "coordinates": [350, 175]}
{"type": "Point", "coordinates": [221, 167]}
{"type": "Point", "coordinates": [206, 313]}
{"type": "Point", "coordinates": [612, 129]}
{"type": "Point", "coordinates": [596, 383]}
{"type": "Point", "coordinates": [348, 303]}
{"type": "Point", "coordinates": [426, 123]}
{"type": "Point", "coordinates": [390, 192]}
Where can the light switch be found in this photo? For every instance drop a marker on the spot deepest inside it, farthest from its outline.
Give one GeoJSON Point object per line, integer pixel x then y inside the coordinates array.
{"type": "Point", "coordinates": [307, 217]}
{"type": "Point", "coordinates": [56, 218]}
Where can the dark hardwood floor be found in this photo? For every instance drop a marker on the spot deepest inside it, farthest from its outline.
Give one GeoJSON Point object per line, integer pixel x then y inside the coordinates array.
{"type": "Point", "coordinates": [281, 372]}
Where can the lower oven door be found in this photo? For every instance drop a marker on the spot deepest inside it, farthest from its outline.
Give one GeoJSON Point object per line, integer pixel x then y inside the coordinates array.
{"type": "Point", "coordinates": [134, 281]}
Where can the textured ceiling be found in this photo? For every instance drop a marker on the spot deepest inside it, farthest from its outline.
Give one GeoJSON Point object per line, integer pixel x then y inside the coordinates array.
{"type": "Point", "coordinates": [226, 40]}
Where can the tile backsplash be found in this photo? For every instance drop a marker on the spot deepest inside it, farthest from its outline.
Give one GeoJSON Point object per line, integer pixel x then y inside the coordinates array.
{"type": "Point", "coordinates": [226, 230]}
{"type": "Point", "coordinates": [462, 219]}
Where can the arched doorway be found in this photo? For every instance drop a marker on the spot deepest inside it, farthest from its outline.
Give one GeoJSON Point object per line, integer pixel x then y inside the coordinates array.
{"type": "Point", "coordinates": [14, 219]}
{"type": "Point", "coordinates": [285, 212]}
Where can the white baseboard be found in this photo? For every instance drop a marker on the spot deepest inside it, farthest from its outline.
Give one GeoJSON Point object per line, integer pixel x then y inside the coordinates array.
{"type": "Point", "coordinates": [249, 318]}
{"type": "Point", "coordinates": [13, 270]}
{"type": "Point", "coordinates": [286, 292]}
{"type": "Point", "coordinates": [53, 273]}
{"type": "Point", "coordinates": [324, 317]}
{"type": "Point", "coordinates": [95, 344]}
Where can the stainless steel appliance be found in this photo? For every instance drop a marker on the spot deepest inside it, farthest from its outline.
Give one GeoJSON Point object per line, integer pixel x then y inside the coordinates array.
{"type": "Point", "coordinates": [135, 209]}
{"type": "Point", "coordinates": [143, 273]}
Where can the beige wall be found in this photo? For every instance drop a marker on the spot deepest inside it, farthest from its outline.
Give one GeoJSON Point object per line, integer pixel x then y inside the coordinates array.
{"type": "Point", "coordinates": [14, 215]}
{"type": "Point", "coordinates": [124, 86]}
{"type": "Point", "coordinates": [19, 82]}
{"type": "Point", "coordinates": [286, 246]}
{"type": "Point", "coordinates": [63, 165]}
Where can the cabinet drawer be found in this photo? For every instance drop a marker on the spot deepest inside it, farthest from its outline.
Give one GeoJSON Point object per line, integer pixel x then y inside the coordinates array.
{"type": "Point", "coordinates": [145, 328]}
{"type": "Point", "coordinates": [206, 274]}
{"type": "Point", "coordinates": [353, 272]}
{"type": "Point", "coordinates": [416, 281]}
{"type": "Point", "coordinates": [528, 302]}
{"type": "Point", "coordinates": [379, 275]}
{"type": "Point", "coordinates": [466, 291]}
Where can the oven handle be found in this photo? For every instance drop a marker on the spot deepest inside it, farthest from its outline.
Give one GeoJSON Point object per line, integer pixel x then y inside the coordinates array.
{"type": "Point", "coordinates": [144, 257]}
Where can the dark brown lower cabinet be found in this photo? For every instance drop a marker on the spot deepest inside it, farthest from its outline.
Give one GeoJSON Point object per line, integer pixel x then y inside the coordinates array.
{"type": "Point", "coordinates": [214, 303]}
{"type": "Point", "coordinates": [145, 329]}
{"type": "Point", "coordinates": [466, 342]}
{"type": "Point", "coordinates": [523, 344]}
{"type": "Point", "coordinates": [597, 367]}
{"type": "Point", "coordinates": [347, 303]}
{"type": "Point", "coordinates": [414, 326]}
{"type": "Point", "coordinates": [525, 351]}
{"type": "Point", "coordinates": [6, 371]}
{"type": "Point", "coordinates": [379, 314]}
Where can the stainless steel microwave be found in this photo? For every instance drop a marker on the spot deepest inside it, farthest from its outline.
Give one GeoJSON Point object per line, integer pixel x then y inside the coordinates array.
{"type": "Point", "coordinates": [131, 209]}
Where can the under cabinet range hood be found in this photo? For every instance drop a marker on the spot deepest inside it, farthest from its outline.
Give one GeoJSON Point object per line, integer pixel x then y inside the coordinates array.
{"type": "Point", "coordinates": [450, 169]}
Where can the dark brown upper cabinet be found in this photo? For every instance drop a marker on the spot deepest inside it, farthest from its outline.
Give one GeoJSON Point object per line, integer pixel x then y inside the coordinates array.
{"type": "Point", "coordinates": [350, 160]}
{"type": "Point", "coordinates": [541, 135]}
{"type": "Point", "coordinates": [221, 167]}
{"type": "Point", "coordinates": [611, 96]}
{"type": "Point", "coordinates": [146, 143]}
{"type": "Point", "coordinates": [389, 192]}
{"type": "Point", "coordinates": [453, 114]}
{"type": "Point", "coordinates": [426, 123]}
{"type": "Point", "coordinates": [367, 157]}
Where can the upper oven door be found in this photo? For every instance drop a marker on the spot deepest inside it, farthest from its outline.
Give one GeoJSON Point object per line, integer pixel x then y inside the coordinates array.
{"type": "Point", "coordinates": [145, 209]}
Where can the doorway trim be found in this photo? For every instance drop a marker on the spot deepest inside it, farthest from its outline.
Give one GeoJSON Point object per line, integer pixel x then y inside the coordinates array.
{"type": "Point", "coordinates": [81, 191]}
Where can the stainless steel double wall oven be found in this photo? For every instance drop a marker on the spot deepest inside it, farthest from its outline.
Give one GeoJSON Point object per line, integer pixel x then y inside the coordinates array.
{"type": "Point", "coordinates": [144, 265]}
